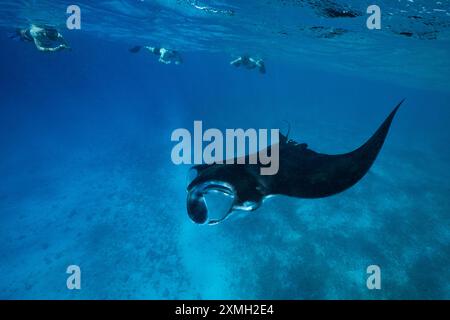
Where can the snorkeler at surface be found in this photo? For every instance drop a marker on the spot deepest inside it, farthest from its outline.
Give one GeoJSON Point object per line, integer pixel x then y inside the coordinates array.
{"type": "Point", "coordinates": [249, 63]}
{"type": "Point", "coordinates": [46, 38]}
{"type": "Point", "coordinates": [166, 56]}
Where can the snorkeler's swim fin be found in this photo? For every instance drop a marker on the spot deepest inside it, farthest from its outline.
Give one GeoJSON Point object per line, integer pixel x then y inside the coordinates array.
{"type": "Point", "coordinates": [135, 49]}
{"type": "Point", "coordinates": [261, 66]}
{"type": "Point", "coordinates": [14, 35]}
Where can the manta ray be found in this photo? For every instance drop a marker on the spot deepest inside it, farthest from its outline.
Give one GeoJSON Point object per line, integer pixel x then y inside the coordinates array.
{"type": "Point", "coordinates": [303, 173]}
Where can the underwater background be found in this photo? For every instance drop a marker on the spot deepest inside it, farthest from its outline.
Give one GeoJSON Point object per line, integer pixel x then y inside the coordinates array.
{"type": "Point", "coordinates": [86, 176]}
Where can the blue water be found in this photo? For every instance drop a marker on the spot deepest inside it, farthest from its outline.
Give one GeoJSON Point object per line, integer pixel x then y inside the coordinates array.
{"type": "Point", "coordinates": [87, 178]}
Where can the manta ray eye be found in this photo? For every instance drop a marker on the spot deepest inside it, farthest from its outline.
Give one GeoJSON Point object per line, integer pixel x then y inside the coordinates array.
{"type": "Point", "coordinates": [210, 202]}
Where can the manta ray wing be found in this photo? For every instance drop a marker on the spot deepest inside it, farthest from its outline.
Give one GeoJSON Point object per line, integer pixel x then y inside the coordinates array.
{"type": "Point", "coordinates": [303, 173]}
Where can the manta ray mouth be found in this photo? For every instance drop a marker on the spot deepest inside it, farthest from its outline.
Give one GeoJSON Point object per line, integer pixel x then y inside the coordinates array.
{"type": "Point", "coordinates": [196, 203]}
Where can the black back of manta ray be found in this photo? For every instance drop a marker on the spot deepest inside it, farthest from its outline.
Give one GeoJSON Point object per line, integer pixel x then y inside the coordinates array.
{"type": "Point", "coordinates": [302, 173]}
